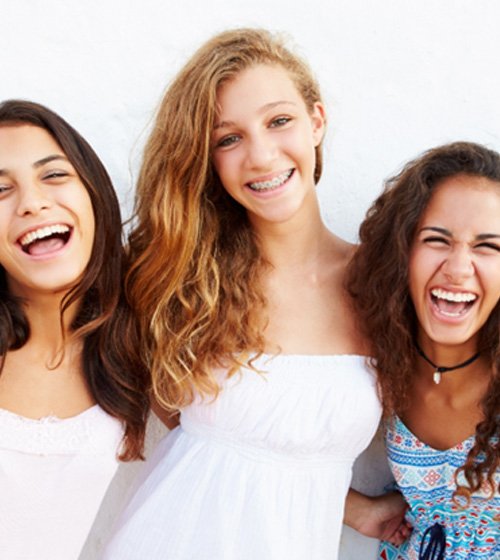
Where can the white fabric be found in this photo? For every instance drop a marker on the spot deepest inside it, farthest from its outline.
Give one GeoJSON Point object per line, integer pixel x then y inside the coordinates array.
{"type": "Point", "coordinates": [53, 475]}
{"type": "Point", "coordinates": [261, 472]}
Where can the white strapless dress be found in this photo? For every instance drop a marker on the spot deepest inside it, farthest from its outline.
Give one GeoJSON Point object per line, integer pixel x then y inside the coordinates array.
{"type": "Point", "coordinates": [259, 473]}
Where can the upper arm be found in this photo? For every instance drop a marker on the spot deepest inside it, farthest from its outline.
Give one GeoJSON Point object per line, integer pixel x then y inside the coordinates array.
{"type": "Point", "coordinates": [170, 419]}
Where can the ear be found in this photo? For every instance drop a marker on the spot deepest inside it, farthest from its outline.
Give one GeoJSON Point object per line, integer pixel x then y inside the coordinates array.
{"type": "Point", "coordinates": [318, 121]}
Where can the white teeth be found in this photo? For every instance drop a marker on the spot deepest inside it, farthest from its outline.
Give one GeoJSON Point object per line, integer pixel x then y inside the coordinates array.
{"type": "Point", "coordinates": [450, 314]}
{"type": "Point", "coordinates": [42, 232]}
{"type": "Point", "coordinates": [273, 183]}
{"type": "Point", "coordinates": [453, 296]}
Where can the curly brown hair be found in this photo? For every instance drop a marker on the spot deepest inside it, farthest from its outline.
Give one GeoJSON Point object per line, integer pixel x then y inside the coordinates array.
{"type": "Point", "coordinates": [195, 261]}
{"type": "Point", "coordinates": [378, 282]}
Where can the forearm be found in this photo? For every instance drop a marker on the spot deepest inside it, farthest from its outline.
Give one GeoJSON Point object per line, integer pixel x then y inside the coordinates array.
{"type": "Point", "coordinates": [357, 507]}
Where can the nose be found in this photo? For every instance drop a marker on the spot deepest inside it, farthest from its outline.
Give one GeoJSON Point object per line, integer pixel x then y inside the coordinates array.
{"type": "Point", "coordinates": [261, 152]}
{"type": "Point", "coordinates": [459, 264]}
{"type": "Point", "coordinates": [33, 199]}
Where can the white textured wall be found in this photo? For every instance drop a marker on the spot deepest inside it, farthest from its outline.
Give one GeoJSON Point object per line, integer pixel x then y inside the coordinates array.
{"type": "Point", "coordinates": [398, 76]}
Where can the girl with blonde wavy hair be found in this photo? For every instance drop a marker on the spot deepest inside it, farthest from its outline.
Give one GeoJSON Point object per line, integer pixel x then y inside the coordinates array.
{"type": "Point", "coordinates": [246, 327]}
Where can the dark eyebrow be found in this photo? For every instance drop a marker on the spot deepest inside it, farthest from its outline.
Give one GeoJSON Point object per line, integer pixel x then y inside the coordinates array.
{"type": "Point", "coordinates": [484, 236]}
{"type": "Point", "coordinates": [48, 159]}
{"type": "Point", "coordinates": [263, 109]}
{"type": "Point", "coordinates": [437, 230]}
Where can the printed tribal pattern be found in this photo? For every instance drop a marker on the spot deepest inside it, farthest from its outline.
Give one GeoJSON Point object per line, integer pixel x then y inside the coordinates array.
{"type": "Point", "coordinates": [425, 477]}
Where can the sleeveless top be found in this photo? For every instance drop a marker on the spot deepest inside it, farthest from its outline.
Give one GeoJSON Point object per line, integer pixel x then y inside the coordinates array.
{"type": "Point", "coordinates": [53, 475]}
{"type": "Point", "coordinates": [425, 476]}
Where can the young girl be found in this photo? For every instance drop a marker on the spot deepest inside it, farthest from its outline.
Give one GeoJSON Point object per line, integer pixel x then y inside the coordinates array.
{"type": "Point", "coordinates": [427, 284]}
{"type": "Point", "coordinates": [245, 323]}
{"type": "Point", "coordinates": [72, 398]}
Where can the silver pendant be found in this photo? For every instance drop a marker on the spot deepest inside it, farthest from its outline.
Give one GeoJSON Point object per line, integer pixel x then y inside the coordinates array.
{"type": "Point", "coordinates": [436, 376]}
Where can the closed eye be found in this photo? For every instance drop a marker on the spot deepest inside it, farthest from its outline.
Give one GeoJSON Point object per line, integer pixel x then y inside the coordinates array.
{"type": "Point", "coordinates": [488, 247]}
{"type": "Point", "coordinates": [55, 174]}
{"type": "Point", "coordinates": [436, 240]}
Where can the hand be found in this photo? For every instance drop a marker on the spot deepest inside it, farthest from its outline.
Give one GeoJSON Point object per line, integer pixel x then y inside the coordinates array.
{"type": "Point", "coordinates": [388, 519]}
{"type": "Point", "coordinates": [381, 517]}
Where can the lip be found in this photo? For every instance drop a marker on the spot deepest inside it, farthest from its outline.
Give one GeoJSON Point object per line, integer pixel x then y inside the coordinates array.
{"type": "Point", "coordinates": [50, 254]}
{"type": "Point", "coordinates": [287, 174]}
{"type": "Point", "coordinates": [464, 292]}
{"type": "Point", "coordinates": [446, 317]}
{"type": "Point", "coordinates": [40, 226]}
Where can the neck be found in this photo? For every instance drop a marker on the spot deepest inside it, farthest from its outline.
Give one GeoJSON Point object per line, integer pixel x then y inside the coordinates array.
{"type": "Point", "coordinates": [294, 242]}
{"type": "Point", "coordinates": [44, 318]}
{"type": "Point", "coordinates": [447, 355]}
{"type": "Point", "coordinates": [456, 366]}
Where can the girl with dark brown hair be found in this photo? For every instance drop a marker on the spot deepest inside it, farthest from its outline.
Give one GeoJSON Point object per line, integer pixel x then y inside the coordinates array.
{"type": "Point", "coordinates": [426, 284]}
{"type": "Point", "coordinates": [73, 394]}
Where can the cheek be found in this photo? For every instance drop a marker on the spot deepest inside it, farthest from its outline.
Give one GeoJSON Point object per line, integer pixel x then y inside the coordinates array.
{"type": "Point", "coordinates": [226, 168]}
{"type": "Point", "coordinates": [216, 163]}
{"type": "Point", "coordinates": [414, 274]}
{"type": "Point", "coordinates": [87, 219]}
{"type": "Point", "coordinates": [495, 286]}
{"type": "Point", "coordinates": [294, 143]}
{"type": "Point", "coordinates": [227, 161]}
{"type": "Point", "coordinates": [91, 228]}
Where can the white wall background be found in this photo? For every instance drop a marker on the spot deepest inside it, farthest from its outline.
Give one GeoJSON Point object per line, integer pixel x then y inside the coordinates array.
{"type": "Point", "coordinates": [398, 76]}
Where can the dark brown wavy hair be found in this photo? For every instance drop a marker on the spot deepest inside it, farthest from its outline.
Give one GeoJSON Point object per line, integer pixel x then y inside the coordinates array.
{"type": "Point", "coordinates": [195, 275]}
{"type": "Point", "coordinates": [378, 283]}
{"type": "Point", "coordinates": [115, 375]}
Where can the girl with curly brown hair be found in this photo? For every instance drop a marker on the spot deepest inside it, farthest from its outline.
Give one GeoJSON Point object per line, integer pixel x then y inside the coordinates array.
{"type": "Point", "coordinates": [73, 394]}
{"type": "Point", "coordinates": [246, 325]}
{"type": "Point", "coordinates": [426, 284]}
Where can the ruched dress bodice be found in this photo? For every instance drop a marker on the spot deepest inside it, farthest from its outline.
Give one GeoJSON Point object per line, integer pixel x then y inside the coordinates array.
{"type": "Point", "coordinates": [261, 471]}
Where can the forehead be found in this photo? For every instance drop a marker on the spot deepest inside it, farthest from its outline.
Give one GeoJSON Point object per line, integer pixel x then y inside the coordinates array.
{"type": "Point", "coordinates": [256, 86]}
{"type": "Point", "coordinates": [25, 141]}
{"type": "Point", "coordinates": [464, 202]}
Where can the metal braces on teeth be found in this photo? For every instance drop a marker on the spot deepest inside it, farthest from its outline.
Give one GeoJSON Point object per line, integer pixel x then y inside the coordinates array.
{"type": "Point", "coordinates": [273, 183]}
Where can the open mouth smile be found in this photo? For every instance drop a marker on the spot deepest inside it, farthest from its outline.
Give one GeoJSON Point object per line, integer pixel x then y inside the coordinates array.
{"type": "Point", "coordinates": [452, 304]}
{"type": "Point", "coordinates": [272, 184]}
{"type": "Point", "coordinates": [46, 239]}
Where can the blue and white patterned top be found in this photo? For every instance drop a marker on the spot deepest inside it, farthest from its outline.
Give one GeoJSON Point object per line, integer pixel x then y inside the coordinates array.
{"type": "Point", "coordinates": [425, 476]}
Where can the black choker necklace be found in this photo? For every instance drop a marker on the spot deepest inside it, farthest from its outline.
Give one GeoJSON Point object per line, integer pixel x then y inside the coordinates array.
{"type": "Point", "coordinates": [442, 369]}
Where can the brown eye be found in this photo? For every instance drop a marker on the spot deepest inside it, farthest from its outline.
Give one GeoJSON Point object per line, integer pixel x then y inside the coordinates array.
{"type": "Point", "coordinates": [4, 188]}
{"type": "Point", "coordinates": [280, 121]}
{"type": "Point", "coordinates": [227, 141]}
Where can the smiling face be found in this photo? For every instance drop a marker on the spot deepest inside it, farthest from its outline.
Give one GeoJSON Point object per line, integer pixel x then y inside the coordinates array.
{"type": "Point", "coordinates": [46, 217]}
{"type": "Point", "coordinates": [454, 267]}
{"type": "Point", "coordinates": [264, 143]}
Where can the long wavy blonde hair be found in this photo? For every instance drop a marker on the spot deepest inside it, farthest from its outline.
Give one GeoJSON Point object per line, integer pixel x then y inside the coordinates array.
{"type": "Point", "coordinates": [195, 264]}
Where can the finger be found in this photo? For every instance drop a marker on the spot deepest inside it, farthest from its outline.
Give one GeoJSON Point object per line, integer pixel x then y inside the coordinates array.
{"type": "Point", "coordinates": [400, 536]}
